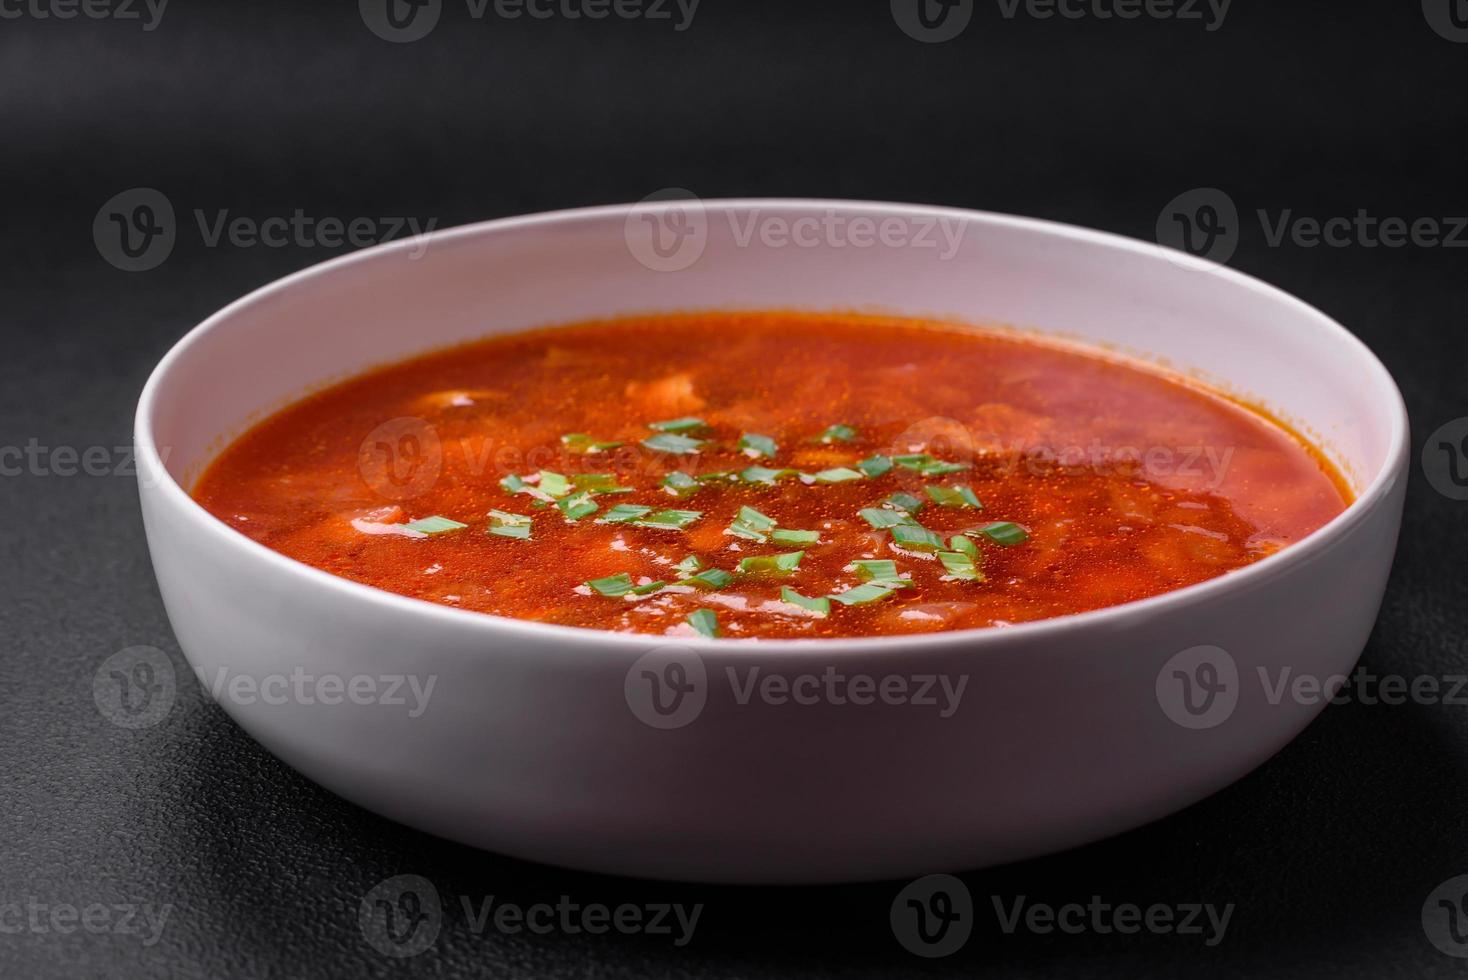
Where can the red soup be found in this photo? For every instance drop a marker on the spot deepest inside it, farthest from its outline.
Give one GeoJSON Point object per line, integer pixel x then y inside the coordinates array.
{"type": "Point", "coordinates": [772, 474]}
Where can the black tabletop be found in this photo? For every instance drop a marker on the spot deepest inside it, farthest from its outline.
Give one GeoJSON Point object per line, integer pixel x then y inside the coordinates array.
{"type": "Point", "coordinates": [182, 848]}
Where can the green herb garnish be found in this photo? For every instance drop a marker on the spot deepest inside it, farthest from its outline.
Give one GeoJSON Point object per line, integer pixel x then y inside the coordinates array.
{"type": "Point", "coordinates": [752, 525]}
{"type": "Point", "coordinates": [577, 505]}
{"type": "Point", "coordinates": [763, 474]}
{"type": "Point", "coordinates": [883, 519]}
{"type": "Point", "coordinates": [784, 535]}
{"type": "Point", "coordinates": [623, 513]}
{"type": "Point", "coordinates": [671, 442]}
{"type": "Point", "coordinates": [915, 537]}
{"type": "Point", "coordinates": [781, 564]}
{"type": "Point", "coordinates": [621, 584]}
{"type": "Point", "coordinates": [709, 578]}
{"type": "Point", "coordinates": [756, 445]}
{"type": "Point", "coordinates": [1005, 532]}
{"type": "Point", "coordinates": [863, 594]}
{"type": "Point", "coordinates": [877, 570]}
{"type": "Point", "coordinates": [434, 525]}
{"type": "Point", "coordinates": [961, 565]}
{"type": "Point", "coordinates": [838, 433]}
{"type": "Point", "coordinates": [680, 484]}
{"type": "Point", "coordinates": [927, 465]}
{"type": "Point", "coordinates": [508, 525]}
{"type": "Point", "coordinates": [669, 520]}
{"type": "Point", "coordinates": [705, 621]}
{"type": "Point", "coordinates": [838, 474]}
{"type": "Point", "coordinates": [599, 483]}
{"type": "Point", "coordinates": [685, 424]}
{"type": "Point", "coordinates": [580, 442]}
{"type": "Point", "coordinates": [875, 466]}
{"type": "Point", "coordinates": [904, 501]}
{"type": "Point", "coordinates": [821, 605]}
{"type": "Point", "coordinates": [963, 545]}
{"type": "Point", "coordinates": [553, 484]}
{"type": "Point", "coordinates": [958, 495]}
{"type": "Point", "coordinates": [689, 565]}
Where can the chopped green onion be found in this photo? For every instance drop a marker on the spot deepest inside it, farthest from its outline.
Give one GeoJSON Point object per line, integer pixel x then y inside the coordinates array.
{"type": "Point", "coordinates": [763, 474]}
{"type": "Point", "coordinates": [689, 565]}
{"type": "Point", "coordinates": [783, 535]}
{"type": "Point", "coordinates": [916, 538]}
{"type": "Point", "coordinates": [669, 520]}
{"type": "Point", "coordinates": [622, 513]}
{"type": "Point", "coordinates": [883, 519]}
{"type": "Point", "coordinates": [864, 593]}
{"type": "Point", "coordinates": [709, 578]}
{"type": "Point", "coordinates": [434, 525]}
{"type": "Point", "coordinates": [870, 569]}
{"type": "Point", "coordinates": [781, 564]}
{"type": "Point", "coordinates": [685, 424]}
{"type": "Point", "coordinates": [752, 525]}
{"type": "Point", "coordinates": [669, 442]}
{"type": "Point", "coordinates": [718, 476]}
{"type": "Point", "coordinates": [580, 442]}
{"type": "Point", "coordinates": [649, 588]}
{"type": "Point", "coordinates": [508, 525]}
{"type": "Point", "coordinates": [838, 433]}
{"type": "Point", "coordinates": [706, 621]}
{"type": "Point", "coordinates": [1005, 532]}
{"type": "Point", "coordinates": [963, 545]}
{"type": "Point", "coordinates": [612, 585]}
{"type": "Point", "coordinates": [680, 484]}
{"type": "Point", "coordinates": [958, 495]}
{"type": "Point", "coordinates": [839, 474]}
{"type": "Point", "coordinates": [904, 501]}
{"type": "Point", "coordinates": [577, 505]}
{"type": "Point", "coordinates": [927, 465]}
{"type": "Point", "coordinates": [756, 445]}
{"type": "Point", "coordinates": [875, 466]}
{"type": "Point", "coordinates": [516, 484]}
{"type": "Point", "coordinates": [599, 483]}
{"type": "Point", "coordinates": [554, 484]}
{"type": "Point", "coordinates": [961, 566]}
{"type": "Point", "coordinates": [820, 605]}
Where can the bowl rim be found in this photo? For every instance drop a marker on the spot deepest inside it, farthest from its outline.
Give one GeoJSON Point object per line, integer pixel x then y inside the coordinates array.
{"type": "Point", "coordinates": [1318, 541]}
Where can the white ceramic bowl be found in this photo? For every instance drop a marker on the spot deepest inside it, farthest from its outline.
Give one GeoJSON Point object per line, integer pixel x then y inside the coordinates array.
{"type": "Point", "coordinates": [532, 741]}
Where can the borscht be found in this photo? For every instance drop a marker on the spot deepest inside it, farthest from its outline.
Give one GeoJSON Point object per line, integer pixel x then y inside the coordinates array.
{"type": "Point", "coordinates": [772, 474]}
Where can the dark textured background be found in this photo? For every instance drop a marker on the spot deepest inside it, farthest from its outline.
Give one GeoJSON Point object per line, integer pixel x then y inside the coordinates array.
{"type": "Point", "coordinates": [1329, 850]}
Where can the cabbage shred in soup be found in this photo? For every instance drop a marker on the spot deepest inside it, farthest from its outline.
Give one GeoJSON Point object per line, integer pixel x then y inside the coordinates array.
{"type": "Point", "coordinates": [772, 474]}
